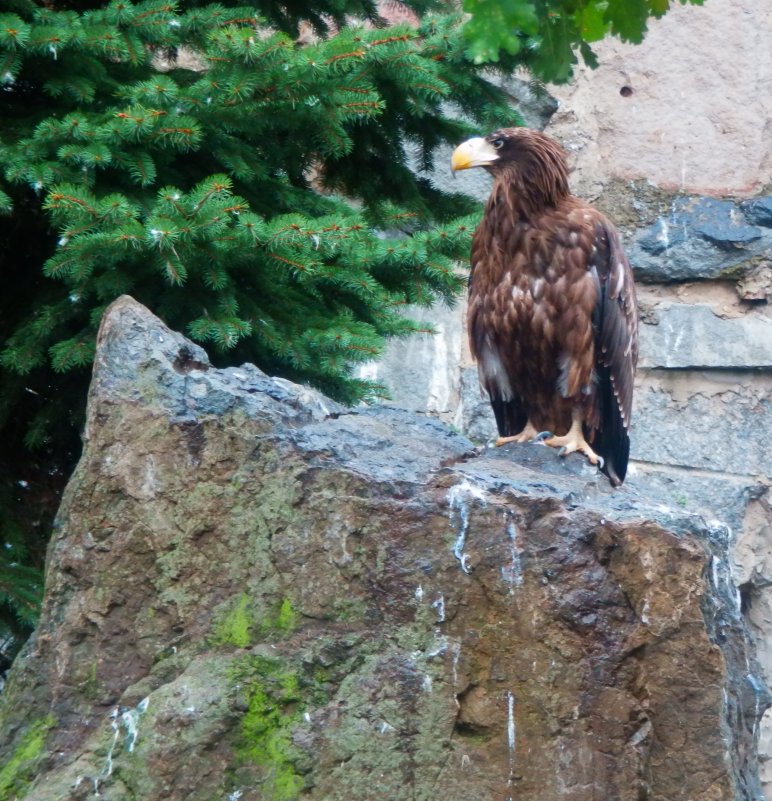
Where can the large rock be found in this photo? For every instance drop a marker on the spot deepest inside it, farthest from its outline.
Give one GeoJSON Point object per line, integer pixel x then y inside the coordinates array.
{"type": "Point", "coordinates": [753, 571]}
{"type": "Point", "coordinates": [253, 593]}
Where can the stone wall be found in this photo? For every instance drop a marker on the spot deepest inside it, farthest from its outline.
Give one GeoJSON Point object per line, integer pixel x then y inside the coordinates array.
{"type": "Point", "coordinates": [672, 139]}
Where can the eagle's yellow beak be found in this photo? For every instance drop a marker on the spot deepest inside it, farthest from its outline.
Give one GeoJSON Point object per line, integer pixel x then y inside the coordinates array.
{"type": "Point", "coordinates": [475, 152]}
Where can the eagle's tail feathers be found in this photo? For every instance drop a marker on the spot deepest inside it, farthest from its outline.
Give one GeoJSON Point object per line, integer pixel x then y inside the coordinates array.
{"type": "Point", "coordinates": [611, 440]}
{"type": "Point", "coordinates": [510, 416]}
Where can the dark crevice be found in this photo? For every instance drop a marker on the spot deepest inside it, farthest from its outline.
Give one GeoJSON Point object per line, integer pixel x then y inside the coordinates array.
{"type": "Point", "coordinates": [473, 731]}
{"type": "Point", "coordinates": [746, 591]}
{"type": "Point", "coordinates": [185, 361]}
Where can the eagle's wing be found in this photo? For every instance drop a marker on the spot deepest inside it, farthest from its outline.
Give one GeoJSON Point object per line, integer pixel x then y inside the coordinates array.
{"type": "Point", "coordinates": [507, 405]}
{"type": "Point", "coordinates": [615, 324]}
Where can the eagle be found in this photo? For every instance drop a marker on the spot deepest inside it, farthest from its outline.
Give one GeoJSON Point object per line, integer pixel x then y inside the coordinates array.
{"type": "Point", "coordinates": [552, 317]}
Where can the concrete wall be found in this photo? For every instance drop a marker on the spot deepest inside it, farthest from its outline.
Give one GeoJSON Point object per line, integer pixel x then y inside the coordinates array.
{"type": "Point", "coordinates": [699, 118]}
{"type": "Point", "coordinates": [682, 160]}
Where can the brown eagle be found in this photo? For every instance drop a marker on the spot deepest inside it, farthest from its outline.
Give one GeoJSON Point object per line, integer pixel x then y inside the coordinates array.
{"type": "Point", "coordinates": [552, 317]}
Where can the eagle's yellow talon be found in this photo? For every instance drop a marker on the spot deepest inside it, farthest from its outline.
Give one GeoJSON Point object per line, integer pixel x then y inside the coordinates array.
{"type": "Point", "coordinates": [526, 435]}
{"type": "Point", "coordinates": [574, 441]}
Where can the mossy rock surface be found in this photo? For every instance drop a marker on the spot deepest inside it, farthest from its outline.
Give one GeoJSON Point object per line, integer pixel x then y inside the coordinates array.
{"type": "Point", "coordinates": [255, 594]}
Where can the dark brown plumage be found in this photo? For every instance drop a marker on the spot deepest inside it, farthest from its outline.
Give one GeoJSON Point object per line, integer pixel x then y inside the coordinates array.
{"type": "Point", "coordinates": [552, 317]}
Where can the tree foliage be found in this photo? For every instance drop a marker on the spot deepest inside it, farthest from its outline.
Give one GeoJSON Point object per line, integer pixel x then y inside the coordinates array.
{"type": "Point", "coordinates": [548, 35]}
{"type": "Point", "coordinates": [217, 195]}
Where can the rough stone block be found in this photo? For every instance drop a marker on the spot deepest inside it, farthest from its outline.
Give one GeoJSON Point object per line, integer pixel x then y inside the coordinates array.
{"type": "Point", "coordinates": [722, 431]}
{"type": "Point", "coordinates": [693, 336]}
{"type": "Point", "coordinates": [476, 416]}
{"type": "Point", "coordinates": [421, 372]}
{"type": "Point", "coordinates": [701, 238]}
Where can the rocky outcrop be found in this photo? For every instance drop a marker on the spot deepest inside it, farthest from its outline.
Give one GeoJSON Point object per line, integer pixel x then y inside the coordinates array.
{"type": "Point", "coordinates": [253, 593]}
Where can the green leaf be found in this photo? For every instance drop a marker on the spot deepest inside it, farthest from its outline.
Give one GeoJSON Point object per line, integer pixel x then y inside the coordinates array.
{"type": "Point", "coordinates": [588, 55]}
{"type": "Point", "coordinates": [81, 90]}
{"type": "Point", "coordinates": [10, 64]}
{"type": "Point", "coordinates": [140, 166]}
{"type": "Point", "coordinates": [628, 19]}
{"type": "Point", "coordinates": [593, 24]}
{"type": "Point", "coordinates": [21, 587]}
{"type": "Point", "coordinates": [160, 92]}
{"type": "Point", "coordinates": [554, 59]}
{"type": "Point", "coordinates": [174, 271]}
{"type": "Point", "coordinates": [163, 232]}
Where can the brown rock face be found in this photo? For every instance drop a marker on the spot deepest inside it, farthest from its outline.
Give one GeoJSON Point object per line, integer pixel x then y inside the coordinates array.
{"type": "Point", "coordinates": [255, 594]}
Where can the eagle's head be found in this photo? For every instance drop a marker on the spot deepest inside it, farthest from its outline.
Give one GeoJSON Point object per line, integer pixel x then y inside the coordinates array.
{"type": "Point", "coordinates": [531, 158]}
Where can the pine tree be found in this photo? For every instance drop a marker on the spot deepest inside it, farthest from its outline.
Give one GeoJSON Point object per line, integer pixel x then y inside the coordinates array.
{"type": "Point", "coordinates": [259, 198]}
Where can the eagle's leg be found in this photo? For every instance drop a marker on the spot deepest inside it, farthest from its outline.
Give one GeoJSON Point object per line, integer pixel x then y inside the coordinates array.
{"type": "Point", "coordinates": [574, 441]}
{"type": "Point", "coordinates": [526, 435]}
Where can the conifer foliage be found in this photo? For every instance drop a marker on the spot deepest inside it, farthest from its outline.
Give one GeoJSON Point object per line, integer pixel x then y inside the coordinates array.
{"type": "Point", "coordinates": [251, 187]}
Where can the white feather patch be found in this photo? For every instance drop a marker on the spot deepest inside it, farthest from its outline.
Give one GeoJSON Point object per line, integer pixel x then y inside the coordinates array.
{"type": "Point", "coordinates": [620, 280]}
{"type": "Point", "coordinates": [493, 374]}
{"type": "Point", "coordinates": [564, 364]}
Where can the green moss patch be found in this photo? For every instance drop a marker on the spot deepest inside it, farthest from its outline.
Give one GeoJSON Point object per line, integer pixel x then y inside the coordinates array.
{"type": "Point", "coordinates": [243, 625]}
{"type": "Point", "coordinates": [265, 738]}
{"type": "Point", "coordinates": [287, 617]}
{"type": "Point", "coordinates": [19, 771]}
{"type": "Point", "coordinates": [235, 627]}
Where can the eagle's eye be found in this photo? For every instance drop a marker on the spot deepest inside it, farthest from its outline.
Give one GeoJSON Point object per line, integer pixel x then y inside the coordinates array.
{"type": "Point", "coordinates": [498, 143]}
